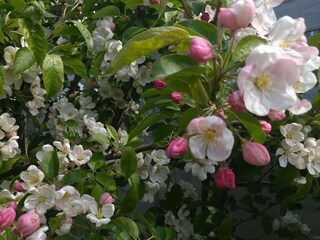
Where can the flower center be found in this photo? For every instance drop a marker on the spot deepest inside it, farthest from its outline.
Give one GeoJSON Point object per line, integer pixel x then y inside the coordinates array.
{"type": "Point", "coordinates": [99, 214]}
{"type": "Point", "coordinates": [263, 81]}
{"type": "Point", "coordinates": [42, 199]}
{"type": "Point", "coordinates": [210, 135]}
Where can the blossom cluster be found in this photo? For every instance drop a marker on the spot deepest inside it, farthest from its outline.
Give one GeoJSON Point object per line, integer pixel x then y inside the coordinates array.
{"type": "Point", "coordinates": [41, 197]}
{"type": "Point", "coordinates": [9, 146]}
{"type": "Point", "coordinates": [298, 149]}
{"type": "Point", "coordinates": [291, 222]}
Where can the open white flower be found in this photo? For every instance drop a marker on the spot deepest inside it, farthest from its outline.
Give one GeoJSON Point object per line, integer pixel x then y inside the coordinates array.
{"type": "Point", "coordinates": [80, 156]}
{"type": "Point", "coordinates": [290, 153]}
{"type": "Point", "coordinates": [292, 133]}
{"type": "Point", "coordinates": [201, 168]}
{"type": "Point", "coordinates": [41, 199]}
{"type": "Point", "coordinates": [39, 234]}
{"type": "Point", "coordinates": [32, 177]}
{"type": "Point", "coordinates": [159, 173]}
{"type": "Point", "coordinates": [159, 156]}
{"type": "Point", "coordinates": [210, 138]}
{"type": "Point", "coordinates": [100, 216]}
{"type": "Point", "coordinates": [64, 197]}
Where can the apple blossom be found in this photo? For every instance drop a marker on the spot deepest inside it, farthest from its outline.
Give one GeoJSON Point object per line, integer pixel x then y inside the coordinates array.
{"type": "Point", "coordinates": [225, 178]}
{"type": "Point", "coordinates": [39, 234]}
{"type": "Point", "coordinates": [210, 138]}
{"type": "Point", "coordinates": [276, 115]}
{"type": "Point", "coordinates": [290, 153]}
{"type": "Point", "coordinates": [177, 147]}
{"type": "Point", "coordinates": [32, 177]}
{"type": "Point", "coordinates": [100, 216]}
{"type": "Point", "coordinates": [106, 198]}
{"type": "Point", "coordinates": [292, 133]}
{"type": "Point", "coordinates": [255, 154]}
{"type": "Point", "coordinates": [267, 80]}
{"type": "Point", "coordinates": [79, 156]}
{"type": "Point", "coordinates": [200, 50]}
{"type": "Point", "coordinates": [266, 127]}
{"type": "Point", "coordinates": [239, 15]}
{"type": "Point", "coordinates": [28, 223]}
{"type": "Point", "coordinates": [7, 216]}
{"type": "Point", "coordinates": [64, 196]}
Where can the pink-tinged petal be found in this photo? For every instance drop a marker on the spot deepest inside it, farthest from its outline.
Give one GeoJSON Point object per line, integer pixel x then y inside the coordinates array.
{"type": "Point", "coordinates": [215, 122]}
{"type": "Point", "coordinates": [283, 72]}
{"type": "Point", "coordinates": [193, 126]}
{"type": "Point", "coordinates": [198, 146]}
{"type": "Point", "coordinates": [301, 106]}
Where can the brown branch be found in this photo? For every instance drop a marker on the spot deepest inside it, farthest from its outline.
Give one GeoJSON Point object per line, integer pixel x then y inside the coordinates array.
{"type": "Point", "coordinates": [14, 171]}
{"type": "Point", "coordinates": [142, 148]}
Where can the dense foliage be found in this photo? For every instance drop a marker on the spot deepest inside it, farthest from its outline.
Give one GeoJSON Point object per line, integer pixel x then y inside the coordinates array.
{"type": "Point", "coordinates": [132, 119]}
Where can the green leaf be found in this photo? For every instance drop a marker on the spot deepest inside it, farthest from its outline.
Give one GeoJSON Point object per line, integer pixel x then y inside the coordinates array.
{"type": "Point", "coordinates": [128, 161]}
{"type": "Point", "coordinates": [171, 64]}
{"type": "Point", "coordinates": [74, 66]}
{"type": "Point", "coordinates": [164, 233]}
{"type": "Point", "coordinates": [132, 3]}
{"type": "Point", "coordinates": [85, 33]}
{"type": "Point", "coordinates": [151, 119]}
{"type": "Point", "coordinates": [97, 192]}
{"type": "Point", "coordinates": [1, 80]}
{"type": "Point", "coordinates": [55, 223]}
{"type": "Point", "coordinates": [202, 29]}
{"type": "Point", "coordinates": [245, 46]}
{"type": "Point", "coordinates": [96, 161]}
{"type": "Point", "coordinates": [53, 74]}
{"type": "Point", "coordinates": [314, 40]}
{"type": "Point", "coordinates": [7, 165]}
{"type": "Point", "coordinates": [23, 60]}
{"type": "Point", "coordinates": [50, 165]}
{"type": "Point", "coordinates": [72, 177]}
{"type": "Point", "coordinates": [17, 3]}
{"type": "Point", "coordinates": [100, 138]}
{"type": "Point", "coordinates": [130, 201]}
{"type": "Point", "coordinates": [145, 43]}
{"type": "Point", "coordinates": [34, 36]}
{"type": "Point", "coordinates": [285, 176]}
{"type": "Point", "coordinates": [252, 125]}
{"type": "Point", "coordinates": [107, 11]}
{"type": "Point", "coordinates": [198, 92]}
{"type": "Point", "coordinates": [225, 229]}
{"type": "Point", "coordinates": [106, 180]}
{"type": "Point", "coordinates": [2, 36]}
{"type": "Point", "coordinates": [95, 70]}
{"type": "Point", "coordinates": [128, 226]}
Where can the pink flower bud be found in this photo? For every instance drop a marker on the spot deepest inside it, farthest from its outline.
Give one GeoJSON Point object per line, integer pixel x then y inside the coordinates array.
{"type": "Point", "coordinates": [18, 187]}
{"type": "Point", "coordinates": [236, 101]}
{"type": "Point", "coordinates": [276, 115]}
{"type": "Point", "coordinates": [176, 97]}
{"type": "Point", "coordinates": [200, 50]}
{"type": "Point", "coordinates": [159, 84]}
{"type": "Point", "coordinates": [239, 15]}
{"type": "Point", "coordinates": [224, 178]}
{"type": "Point", "coordinates": [13, 205]}
{"type": "Point", "coordinates": [11, 134]}
{"type": "Point", "coordinates": [7, 216]}
{"type": "Point", "coordinates": [266, 127]}
{"type": "Point", "coordinates": [205, 17]}
{"type": "Point", "coordinates": [106, 198]}
{"type": "Point", "coordinates": [154, 1]}
{"type": "Point", "coordinates": [28, 223]}
{"type": "Point", "coordinates": [220, 112]}
{"type": "Point", "coordinates": [177, 147]}
{"type": "Point", "coordinates": [255, 154]}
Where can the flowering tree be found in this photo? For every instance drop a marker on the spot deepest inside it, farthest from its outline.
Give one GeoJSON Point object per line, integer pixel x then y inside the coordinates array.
{"type": "Point", "coordinates": [109, 105]}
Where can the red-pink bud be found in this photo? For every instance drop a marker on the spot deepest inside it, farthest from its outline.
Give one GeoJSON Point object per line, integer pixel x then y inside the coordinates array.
{"type": "Point", "coordinates": [176, 97]}
{"type": "Point", "coordinates": [159, 84]}
{"type": "Point", "coordinates": [276, 115]}
{"type": "Point", "coordinates": [154, 1]}
{"type": "Point", "coordinates": [239, 15]}
{"type": "Point", "coordinates": [255, 154]}
{"type": "Point", "coordinates": [106, 198]}
{"type": "Point", "coordinates": [266, 127]}
{"type": "Point", "coordinates": [7, 216]}
{"type": "Point", "coordinates": [177, 147]}
{"type": "Point", "coordinates": [18, 187]}
{"type": "Point", "coordinates": [28, 223]}
{"type": "Point", "coordinates": [224, 178]}
{"type": "Point", "coordinates": [200, 50]}
{"type": "Point", "coordinates": [220, 112]}
{"type": "Point", "coordinates": [236, 101]}
{"type": "Point", "coordinates": [205, 17]}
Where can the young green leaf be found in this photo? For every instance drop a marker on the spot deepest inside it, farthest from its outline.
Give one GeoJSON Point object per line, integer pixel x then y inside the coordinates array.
{"type": "Point", "coordinates": [34, 36]}
{"type": "Point", "coordinates": [50, 165]}
{"type": "Point", "coordinates": [23, 60]}
{"type": "Point", "coordinates": [53, 74]}
{"type": "Point", "coordinates": [128, 161]}
{"type": "Point", "coordinates": [107, 11]}
{"type": "Point", "coordinates": [85, 33]}
{"type": "Point", "coordinates": [145, 43]}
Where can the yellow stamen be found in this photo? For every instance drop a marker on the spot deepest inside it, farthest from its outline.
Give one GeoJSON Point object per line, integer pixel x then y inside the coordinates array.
{"type": "Point", "coordinates": [263, 81]}
{"type": "Point", "coordinates": [210, 135]}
